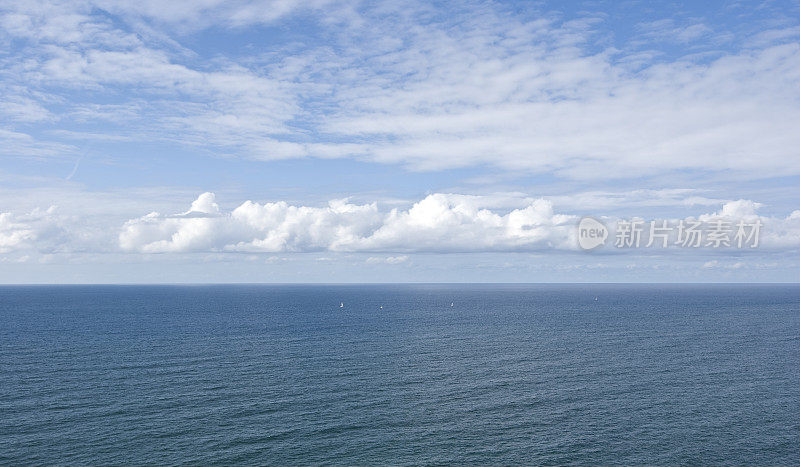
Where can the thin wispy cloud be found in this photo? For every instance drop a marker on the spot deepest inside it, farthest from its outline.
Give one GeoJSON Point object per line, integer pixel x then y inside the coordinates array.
{"type": "Point", "coordinates": [475, 85]}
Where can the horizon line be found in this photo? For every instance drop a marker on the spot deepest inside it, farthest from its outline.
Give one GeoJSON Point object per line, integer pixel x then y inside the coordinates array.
{"type": "Point", "coordinates": [39, 284]}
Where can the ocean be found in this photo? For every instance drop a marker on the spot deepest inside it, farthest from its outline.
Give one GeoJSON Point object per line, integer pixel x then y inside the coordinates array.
{"type": "Point", "coordinates": [400, 374]}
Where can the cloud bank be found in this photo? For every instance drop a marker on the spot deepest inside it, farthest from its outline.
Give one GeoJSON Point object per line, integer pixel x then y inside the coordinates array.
{"type": "Point", "coordinates": [438, 223]}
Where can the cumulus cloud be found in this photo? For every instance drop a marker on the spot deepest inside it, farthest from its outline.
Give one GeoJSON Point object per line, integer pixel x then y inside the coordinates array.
{"type": "Point", "coordinates": [38, 229]}
{"type": "Point", "coordinates": [740, 209]}
{"type": "Point", "coordinates": [776, 233]}
{"type": "Point", "coordinates": [438, 223]}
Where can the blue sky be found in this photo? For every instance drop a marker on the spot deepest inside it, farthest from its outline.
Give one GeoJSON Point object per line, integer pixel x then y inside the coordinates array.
{"type": "Point", "coordinates": [333, 141]}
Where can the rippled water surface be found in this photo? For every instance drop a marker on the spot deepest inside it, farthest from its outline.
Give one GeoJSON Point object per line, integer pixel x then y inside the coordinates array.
{"type": "Point", "coordinates": [546, 374]}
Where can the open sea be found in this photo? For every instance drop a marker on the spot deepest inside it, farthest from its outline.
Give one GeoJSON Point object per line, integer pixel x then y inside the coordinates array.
{"type": "Point", "coordinates": [441, 374]}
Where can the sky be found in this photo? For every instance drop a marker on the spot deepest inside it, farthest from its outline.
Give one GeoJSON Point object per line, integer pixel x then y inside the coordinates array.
{"type": "Point", "coordinates": [345, 141]}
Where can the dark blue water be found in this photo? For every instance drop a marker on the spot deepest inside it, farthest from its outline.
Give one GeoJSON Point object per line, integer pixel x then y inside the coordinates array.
{"type": "Point", "coordinates": [540, 374]}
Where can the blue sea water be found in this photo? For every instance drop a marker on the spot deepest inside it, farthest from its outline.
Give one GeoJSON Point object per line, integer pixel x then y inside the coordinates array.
{"type": "Point", "coordinates": [537, 374]}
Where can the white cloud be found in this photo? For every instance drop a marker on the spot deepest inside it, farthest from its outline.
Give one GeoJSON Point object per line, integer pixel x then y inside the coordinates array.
{"type": "Point", "coordinates": [741, 209]}
{"type": "Point", "coordinates": [160, 94]}
{"type": "Point", "coordinates": [269, 227]}
{"type": "Point", "coordinates": [438, 223]}
{"type": "Point", "coordinates": [507, 93]}
{"type": "Point", "coordinates": [388, 259]}
{"type": "Point", "coordinates": [443, 222]}
{"type": "Point", "coordinates": [38, 229]}
{"type": "Point", "coordinates": [728, 265]}
{"type": "Point", "coordinates": [23, 109]}
{"type": "Point", "coordinates": [192, 15]}
{"type": "Point", "coordinates": [599, 201]}
{"type": "Point", "coordinates": [15, 143]}
{"type": "Point", "coordinates": [475, 85]}
{"type": "Point", "coordinates": [667, 30]}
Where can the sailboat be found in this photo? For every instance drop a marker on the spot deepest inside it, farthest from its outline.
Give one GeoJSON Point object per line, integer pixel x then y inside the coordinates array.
{"type": "Point", "coordinates": [341, 305]}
